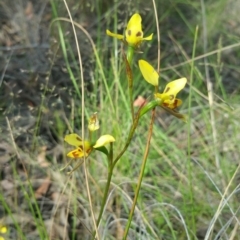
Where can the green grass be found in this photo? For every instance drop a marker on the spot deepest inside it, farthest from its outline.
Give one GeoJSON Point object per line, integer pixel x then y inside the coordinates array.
{"type": "Point", "coordinates": [190, 186]}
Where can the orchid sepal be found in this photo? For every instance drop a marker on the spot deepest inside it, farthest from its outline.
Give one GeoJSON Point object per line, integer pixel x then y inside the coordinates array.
{"type": "Point", "coordinates": [115, 35]}
{"type": "Point", "coordinates": [148, 72]}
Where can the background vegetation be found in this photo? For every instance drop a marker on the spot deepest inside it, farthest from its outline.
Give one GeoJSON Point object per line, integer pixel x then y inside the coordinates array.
{"type": "Point", "coordinates": [191, 185]}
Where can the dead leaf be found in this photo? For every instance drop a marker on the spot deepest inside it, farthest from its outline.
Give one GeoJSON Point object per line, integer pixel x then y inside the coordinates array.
{"type": "Point", "coordinates": [29, 10]}
{"type": "Point", "coordinates": [5, 153]}
{"type": "Point", "coordinates": [42, 190]}
{"type": "Point", "coordinates": [55, 230]}
{"type": "Point", "coordinates": [7, 185]}
{"type": "Point", "coordinates": [41, 158]}
{"type": "Point", "coordinates": [59, 198]}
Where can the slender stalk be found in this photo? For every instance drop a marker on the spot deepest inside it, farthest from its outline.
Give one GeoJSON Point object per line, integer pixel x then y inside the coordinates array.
{"type": "Point", "coordinates": [128, 63]}
{"type": "Point", "coordinates": [130, 135]}
{"type": "Point", "coordinates": [110, 171]}
{"type": "Point", "coordinates": [130, 92]}
{"type": "Point", "coordinates": [109, 178]}
{"type": "Point", "coordinates": [130, 53]}
{"type": "Point", "coordinates": [191, 197]}
{"type": "Point", "coordinates": [140, 176]}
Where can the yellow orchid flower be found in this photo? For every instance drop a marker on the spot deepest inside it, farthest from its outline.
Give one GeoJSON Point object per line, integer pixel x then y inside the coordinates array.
{"type": "Point", "coordinates": [169, 94]}
{"type": "Point", "coordinates": [93, 123]}
{"type": "Point", "coordinates": [82, 148]}
{"type": "Point", "coordinates": [85, 148]}
{"type": "Point", "coordinates": [3, 230]}
{"type": "Point", "coordinates": [171, 90]}
{"type": "Point", "coordinates": [148, 72]}
{"type": "Point", "coordinates": [133, 33]}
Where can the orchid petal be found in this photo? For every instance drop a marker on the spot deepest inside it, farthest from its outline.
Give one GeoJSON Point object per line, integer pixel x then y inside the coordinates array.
{"type": "Point", "coordinates": [169, 95]}
{"type": "Point", "coordinates": [134, 32]}
{"type": "Point", "coordinates": [103, 140]}
{"type": "Point", "coordinates": [73, 139]}
{"type": "Point", "coordinates": [174, 87]}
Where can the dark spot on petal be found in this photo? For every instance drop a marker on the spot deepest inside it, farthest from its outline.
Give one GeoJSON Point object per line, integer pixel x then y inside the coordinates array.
{"type": "Point", "coordinates": [165, 104]}
{"type": "Point", "coordinates": [89, 150]}
{"type": "Point", "coordinates": [129, 32]}
{"type": "Point", "coordinates": [79, 139]}
{"type": "Point", "coordinates": [139, 34]}
{"type": "Point", "coordinates": [167, 89]}
{"type": "Point", "coordinates": [171, 97]}
{"type": "Point", "coordinates": [175, 103]}
{"type": "Point", "coordinates": [75, 154]}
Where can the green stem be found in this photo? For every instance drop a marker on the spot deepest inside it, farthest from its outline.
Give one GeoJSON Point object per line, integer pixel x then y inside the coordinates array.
{"type": "Point", "coordinates": [110, 171]}
{"type": "Point", "coordinates": [140, 176]}
{"type": "Point", "coordinates": [130, 52]}
{"type": "Point", "coordinates": [128, 63]}
{"type": "Point", "coordinates": [151, 105]}
{"type": "Point", "coordinates": [130, 92]}
{"type": "Point", "coordinates": [130, 135]}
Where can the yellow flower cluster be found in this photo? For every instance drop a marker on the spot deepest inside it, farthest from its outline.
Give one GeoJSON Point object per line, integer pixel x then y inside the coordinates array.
{"type": "Point", "coordinates": [134, 36]}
